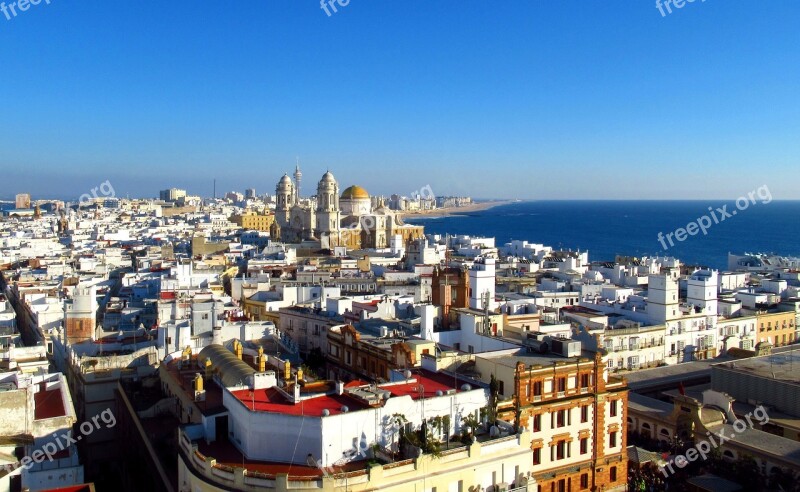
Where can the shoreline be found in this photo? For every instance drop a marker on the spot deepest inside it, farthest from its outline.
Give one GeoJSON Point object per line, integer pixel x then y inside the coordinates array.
{"type": "Point", "coordinates": [451, 211]}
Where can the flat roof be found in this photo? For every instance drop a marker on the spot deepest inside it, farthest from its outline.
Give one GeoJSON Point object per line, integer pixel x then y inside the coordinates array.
{"type": "Point", "coordinates": [532, 358]}
{"type": "Point", "coordinates": [766, 443]}
{"type": "Point", "coordinates": [48, 404]}
{"type": "Point", "coordinates": [185, 378]}
{"type": "Point", "coordinates": [422, 385]}
{"type": "Point", "coordinates": [646, 404]}
{"type": "Point", "coordinates": [777, 366]}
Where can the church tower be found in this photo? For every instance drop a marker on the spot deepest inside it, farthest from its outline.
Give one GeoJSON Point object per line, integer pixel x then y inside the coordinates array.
{"type": "Point", "coordinates": [285, 200]}
{"type": "Point", "coordinates": [328, 212]}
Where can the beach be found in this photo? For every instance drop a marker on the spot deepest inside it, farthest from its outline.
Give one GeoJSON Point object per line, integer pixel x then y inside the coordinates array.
{"type": "Point", "coordinates": [449, 211]}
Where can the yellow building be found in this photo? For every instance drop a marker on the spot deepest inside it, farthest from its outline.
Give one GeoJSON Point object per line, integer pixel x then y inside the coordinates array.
{"type": "Point", "coordinates": [256, 308]}
{"type": "Point", "coordinates": [777, 328]}
{"type": "Point", "coordinates": [253, 221]}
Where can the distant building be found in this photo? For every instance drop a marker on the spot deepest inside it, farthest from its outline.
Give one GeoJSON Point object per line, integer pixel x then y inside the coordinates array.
{"type": "Point", "coordinates": [172, 195]}
{"type": "Point", "coordinates": [234, 196]}
{"type": "Point", "coordinates": [333, 220]}
{"type": "Point", "coordinates": [254, 221]}
{"type": "Point", "coordinates": [23, 201]}
{"type": "Point", "coordinates": [250, 193]}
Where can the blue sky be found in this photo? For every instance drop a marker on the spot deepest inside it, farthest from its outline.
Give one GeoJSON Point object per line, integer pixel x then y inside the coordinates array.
{"type": "Point", "coordinates": [525, 99]}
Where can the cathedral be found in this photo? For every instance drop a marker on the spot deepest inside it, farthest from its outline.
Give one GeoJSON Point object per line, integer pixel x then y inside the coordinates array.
{"type": "Point", "coordinates": [337, 220]}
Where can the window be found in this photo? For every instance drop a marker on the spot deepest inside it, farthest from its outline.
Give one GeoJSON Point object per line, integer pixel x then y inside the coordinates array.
{"type": "Point", "coordinates": [584, 414]}
{"type": "Point", "coordinates": [560, 418]}
{"type": "Point", "coordinates": [584, 445]}
{"type": "Point", "coordinates": [537, 388]}
{"type": "Point", "coordinates": [585, 380]}
{"type": "Point", "coordinates": [347, 357]}
{"type": "Point", "coordinates": [562, 384]}
{"type": "Point", "coordinates": [612, 439]}
{"type": "Point", "coordinates": [501, 388]}
{"type": "Point", "coordinates": [537, 423]}
{"type": "Point", "coordinates": [561, 450]}
{"type": "Point", "coordinates": [613, 474]}
{"type": "Point", "coordinates": [585, 481]}
{"type": "Point", "coordinates": [614, 404]}
{"type": "Point", "coordinates": [537, 456]}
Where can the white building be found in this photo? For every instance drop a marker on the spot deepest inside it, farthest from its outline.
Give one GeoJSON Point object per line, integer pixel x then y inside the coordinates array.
{"type": "Point", "coordinates": [38, 407]}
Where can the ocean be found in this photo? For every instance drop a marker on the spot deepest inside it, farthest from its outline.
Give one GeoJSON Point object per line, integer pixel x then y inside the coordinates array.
{"type": "Point", "coordinates": [610, 228]}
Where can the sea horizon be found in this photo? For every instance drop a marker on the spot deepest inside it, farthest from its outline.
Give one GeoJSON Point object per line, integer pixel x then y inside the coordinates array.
{"type": "Point", "coordinates": [607, 228]}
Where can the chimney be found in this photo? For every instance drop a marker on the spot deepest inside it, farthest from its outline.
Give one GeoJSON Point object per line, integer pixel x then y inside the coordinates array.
{"type": "Point", "coordinates": [198, 382]}
{"type": "Point", "coordinates": [208, 370]}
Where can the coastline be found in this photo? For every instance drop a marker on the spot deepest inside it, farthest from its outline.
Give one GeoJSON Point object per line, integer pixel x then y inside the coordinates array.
{"type": "Point", "coordinates": [451, 211]}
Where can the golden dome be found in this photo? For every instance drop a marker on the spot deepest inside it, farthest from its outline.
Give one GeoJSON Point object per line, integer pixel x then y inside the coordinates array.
{"type": "Point", "coordinates": [355, 192]}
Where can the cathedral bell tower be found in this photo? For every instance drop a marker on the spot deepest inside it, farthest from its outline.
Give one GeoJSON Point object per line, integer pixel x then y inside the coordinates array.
{"type": "Point", "coordinates": [328, 212]}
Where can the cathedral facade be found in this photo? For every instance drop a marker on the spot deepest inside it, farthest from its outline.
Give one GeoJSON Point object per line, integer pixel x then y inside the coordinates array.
{"type": "Point", "coordinates": [335, 220]}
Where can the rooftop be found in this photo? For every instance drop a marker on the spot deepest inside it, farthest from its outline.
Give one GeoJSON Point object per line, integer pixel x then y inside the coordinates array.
{"type": "Point", "coordinates": [226, 454]}
{"type": "Point", "coordinates": [48, 404]}
{"type": "Point", "coordinates": [770, 444]}
{"type": "Point", "coordinates": [513, 356]}
{"type": "Point", "coordinates": [422, 385]}
{"type": "Point", "coordinates": [185, 376]}
{"type": "Point", "coordinates": [778, 366]}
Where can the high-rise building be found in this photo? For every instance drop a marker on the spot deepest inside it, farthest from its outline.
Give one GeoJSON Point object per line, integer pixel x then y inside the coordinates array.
{"type": "Point", "coordinates": [172, 195]}
{"type": "Point", "coordinates": [250, 193]}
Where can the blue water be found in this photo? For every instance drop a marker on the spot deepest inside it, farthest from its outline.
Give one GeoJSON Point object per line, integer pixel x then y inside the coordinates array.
{"type": "Point", "coordinates": [609, 228]}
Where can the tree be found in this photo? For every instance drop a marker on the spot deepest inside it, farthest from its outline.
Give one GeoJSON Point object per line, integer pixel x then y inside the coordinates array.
{"type": "Point", "coordinates": [494, 390]}
{"type": "Point", "coordinates": [471, 422]}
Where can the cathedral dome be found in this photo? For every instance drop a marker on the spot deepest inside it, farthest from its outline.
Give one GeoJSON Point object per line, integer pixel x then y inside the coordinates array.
{"type": "Point", "coordinates": [355, 192]}
{"type": "Point", "coordinates": [285, 180]}
{"type": "Point", "coordinates": [327, 178]}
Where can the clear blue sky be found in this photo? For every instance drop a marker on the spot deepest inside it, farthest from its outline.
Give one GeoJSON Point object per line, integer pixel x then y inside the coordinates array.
{"type": "Point", "coordinates": [526, 99]}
